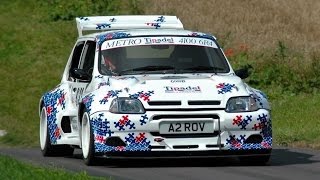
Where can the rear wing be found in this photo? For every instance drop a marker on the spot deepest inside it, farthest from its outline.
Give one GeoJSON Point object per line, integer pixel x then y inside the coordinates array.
{"type": "Point", "coordinates": [105, 23]}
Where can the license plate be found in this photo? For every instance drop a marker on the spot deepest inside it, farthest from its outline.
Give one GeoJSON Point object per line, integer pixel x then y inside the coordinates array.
{"type": "Point", "coordinates": [186, 127]}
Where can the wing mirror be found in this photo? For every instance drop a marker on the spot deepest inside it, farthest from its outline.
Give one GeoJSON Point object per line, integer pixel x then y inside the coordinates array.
{"type": "Point", "coordinates": [244, 72]}
{"type": "Point", "coordinates": [81, 74]}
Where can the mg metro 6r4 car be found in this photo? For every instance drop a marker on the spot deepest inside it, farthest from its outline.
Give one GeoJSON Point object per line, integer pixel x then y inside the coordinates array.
{"type": "Point", "coordinates": [145, 86]}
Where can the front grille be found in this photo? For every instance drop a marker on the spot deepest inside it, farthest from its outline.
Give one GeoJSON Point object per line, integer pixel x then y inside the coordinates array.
{"type": "Point", "coordinates": [164, 103]}
{"type": "Point", "coordinates": [157, 147]}
{"type": "Point", "coordinates": [185, 146]}
{"type": "Point", "coordinates": [205, 116]}
{"type": "Point", "coordinates": [193, 105]}
{"type": "Point", "coordinates": [195, 135]}
{"type": "Point", "coordinates": [214, 145]}
{"type": "Point", "coordinates": [186, 109]}
{"type": "Point", "coordinates": [178, 103]}
{"type": "Point", "coordinates": [204, 103]}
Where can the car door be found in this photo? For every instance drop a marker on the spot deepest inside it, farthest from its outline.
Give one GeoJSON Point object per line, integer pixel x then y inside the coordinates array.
{"type": "Point", "coordinates": [85, 62]}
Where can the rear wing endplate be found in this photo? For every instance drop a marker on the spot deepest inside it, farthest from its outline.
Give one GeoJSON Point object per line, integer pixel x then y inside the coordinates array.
{"type": "Point", "coordinates": [105, 23]}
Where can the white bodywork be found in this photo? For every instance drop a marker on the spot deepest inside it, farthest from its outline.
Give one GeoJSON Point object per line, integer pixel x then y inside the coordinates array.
{"type": "Point", "coordinates": [183, 112]}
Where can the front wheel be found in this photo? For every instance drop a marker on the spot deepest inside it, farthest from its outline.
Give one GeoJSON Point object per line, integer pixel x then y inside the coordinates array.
{"type": "Point", "coordinates": [87, 140]}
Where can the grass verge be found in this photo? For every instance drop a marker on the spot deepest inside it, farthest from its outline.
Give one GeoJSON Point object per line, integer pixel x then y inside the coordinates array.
{"type": "Point", "coordinates": [296, 120]}
{"type": "Point", "coordinates": [13, 169]}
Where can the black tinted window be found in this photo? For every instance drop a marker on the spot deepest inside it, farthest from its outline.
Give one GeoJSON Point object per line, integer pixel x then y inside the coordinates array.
{"type": "Point", "coordinates": [178, 56]}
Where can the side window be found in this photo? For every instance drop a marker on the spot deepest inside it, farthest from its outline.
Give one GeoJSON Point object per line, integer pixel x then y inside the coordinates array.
{"type": "Point", "coordinates": [75, 59]}
{"type": "Point", "coordinates": [87, 58]}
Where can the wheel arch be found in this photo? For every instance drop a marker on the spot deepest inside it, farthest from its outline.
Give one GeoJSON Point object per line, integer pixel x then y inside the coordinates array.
{"type": "Point", "coordinates": [81, 110]}
{"type": "Point", "coordinates": [41, 104]}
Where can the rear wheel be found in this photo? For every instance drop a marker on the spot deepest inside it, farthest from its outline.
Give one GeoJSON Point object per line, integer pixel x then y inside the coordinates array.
{"type": "Point", "coordinates": [46, 147]}
{"type": "Point", "coordinates": [255, 160]}
{"type": "Point", "coordinates": [87, 140]}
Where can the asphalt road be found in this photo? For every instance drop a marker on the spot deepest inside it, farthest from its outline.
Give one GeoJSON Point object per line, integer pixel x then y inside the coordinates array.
{"type": "Point", "coordinates": [285, 163]}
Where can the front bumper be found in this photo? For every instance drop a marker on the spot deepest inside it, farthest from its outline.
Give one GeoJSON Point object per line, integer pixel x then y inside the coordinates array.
{"type": "Point", "coordinates": [184, 154]}
{"type": "Point", "coordinates": [132, 134]}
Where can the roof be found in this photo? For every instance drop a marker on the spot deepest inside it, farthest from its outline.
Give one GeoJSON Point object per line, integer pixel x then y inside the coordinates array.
{"type": "Point", "coordinates": [107, 23]}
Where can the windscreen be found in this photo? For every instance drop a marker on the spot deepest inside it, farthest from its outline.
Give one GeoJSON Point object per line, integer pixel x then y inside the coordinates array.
{"type": "Point", "coordinates": [151, 55]}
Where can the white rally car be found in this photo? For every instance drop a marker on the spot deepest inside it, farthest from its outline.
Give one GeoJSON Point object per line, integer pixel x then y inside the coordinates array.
{"type": "Point", "coordinates": [144, 86]}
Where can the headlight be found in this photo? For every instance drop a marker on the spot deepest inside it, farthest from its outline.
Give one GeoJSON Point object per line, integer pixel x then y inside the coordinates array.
{"type": "Point", "coordinates": [241, 104]}
{"type": "Point", "coordinates": [125, 105]}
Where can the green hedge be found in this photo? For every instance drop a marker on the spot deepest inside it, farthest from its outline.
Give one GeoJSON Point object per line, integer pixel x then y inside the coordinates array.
{"type": "Point", "coordinates": [68, 10]}
{"type": "Point", "coordinates": [279, 71]}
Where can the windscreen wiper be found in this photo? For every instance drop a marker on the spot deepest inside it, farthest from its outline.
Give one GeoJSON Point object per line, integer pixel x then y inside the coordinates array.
{"type": "Point", "coordinates": [203, 69]}
{"type": "Point", "coordinates": [144, 69]}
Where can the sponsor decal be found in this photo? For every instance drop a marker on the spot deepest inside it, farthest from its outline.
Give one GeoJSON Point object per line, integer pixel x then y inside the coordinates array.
{"type": "Point", "coordinates": [113, 20]}
{"type": "Point", "coordinates": [123, 43]}
{"type": "Point", "coordinates": [163, 40]}
{"type": "Point", "coordinates": [115, 42]}
{"type": "Point", "coordinates": [53, 101]}
{"type": "Point", "coordinates": [160, 19]}
{"type": "Point", "coordinates": [261, 123]}
{"type": "Point", "coordinates": [157, 24]}
{"type": "Point", "coordinates": [225, 88]}
{"type": "Point", "coordinates": [201, 35]}
{"type": "Point", "coordinates": [84, 18]}
{"type": "Point", "coordinates": [103, 26]}
{"type": "Point", "coordinates": [187, 89]}
{"type": "Point", "coordinates": [174, 77]}
{"type": "Point", "coordinates": [178, 81]}
{"type": "Point", "coordinates": [112, 35]}
{"type": "Point", "coordinates": [197, 41]}
{"type": "Point", "coordinates": [145, 96]}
